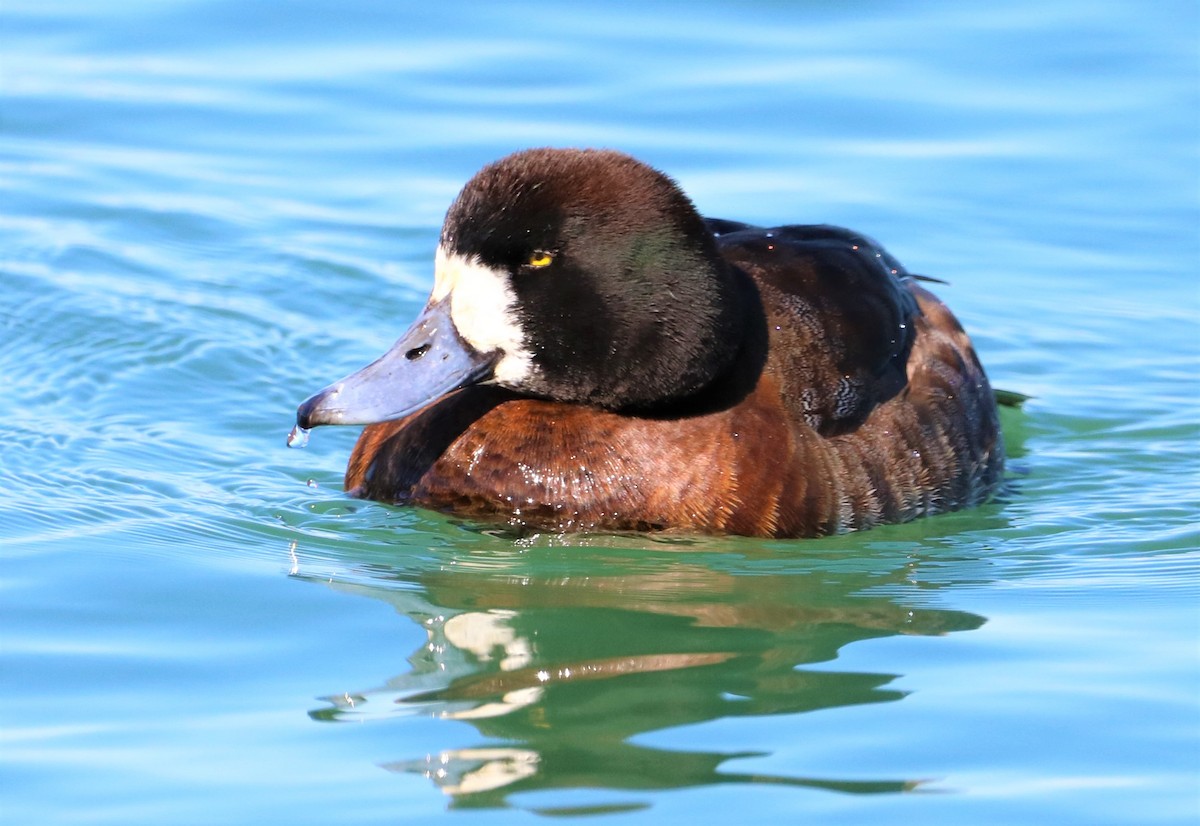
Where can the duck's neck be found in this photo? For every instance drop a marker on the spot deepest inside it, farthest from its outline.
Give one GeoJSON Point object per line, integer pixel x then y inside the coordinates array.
{"type": "Point", "coordinates": [733, 361]}
{"type": "Point", "coordinates": [679, 343]}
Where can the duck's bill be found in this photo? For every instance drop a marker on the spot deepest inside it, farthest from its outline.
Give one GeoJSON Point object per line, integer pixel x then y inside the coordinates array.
{"type": "Point", "coordinates": [428, 361]}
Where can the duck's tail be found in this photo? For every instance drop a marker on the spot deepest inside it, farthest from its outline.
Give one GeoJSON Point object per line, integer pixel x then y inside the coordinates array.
{"type": "Point", "coordinates": [1010, 398]}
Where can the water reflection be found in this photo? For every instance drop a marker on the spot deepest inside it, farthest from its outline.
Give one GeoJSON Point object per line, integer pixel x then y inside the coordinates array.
{"type": "Point", "coordinates": [560, 658]}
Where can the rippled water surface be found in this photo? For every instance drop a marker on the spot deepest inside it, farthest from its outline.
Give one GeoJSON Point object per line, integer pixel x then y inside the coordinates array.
{"type": "Point", "coordinates": [211, 209]}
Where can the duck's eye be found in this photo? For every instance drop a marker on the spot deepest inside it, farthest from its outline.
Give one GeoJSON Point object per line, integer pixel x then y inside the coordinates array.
{"type": "Point", "coordinates": [540, 259]}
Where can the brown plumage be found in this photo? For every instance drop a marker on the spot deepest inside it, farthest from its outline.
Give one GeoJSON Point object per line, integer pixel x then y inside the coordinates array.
{"type": "Point", "coordinates": [834, 393]}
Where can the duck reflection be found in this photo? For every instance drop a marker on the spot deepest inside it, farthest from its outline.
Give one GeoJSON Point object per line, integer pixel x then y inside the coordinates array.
{"type": "Point", "coordinates": [560, 673]}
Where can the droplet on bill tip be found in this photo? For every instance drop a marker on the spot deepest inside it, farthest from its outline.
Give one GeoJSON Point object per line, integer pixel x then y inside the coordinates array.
{"type": "Point", "coordinates": [298, 437]}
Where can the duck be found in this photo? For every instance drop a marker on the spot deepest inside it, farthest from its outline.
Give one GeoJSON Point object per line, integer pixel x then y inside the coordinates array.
{"type": "Point", "coordinates": [595, 356]}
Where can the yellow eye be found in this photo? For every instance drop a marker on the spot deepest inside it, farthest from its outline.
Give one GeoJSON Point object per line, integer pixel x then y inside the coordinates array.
{"type": "Point", "coordinates": [540, 259]}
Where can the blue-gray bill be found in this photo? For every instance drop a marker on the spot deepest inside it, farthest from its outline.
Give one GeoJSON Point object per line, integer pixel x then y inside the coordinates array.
{"type": "Point", "coordinates": [428, 361]}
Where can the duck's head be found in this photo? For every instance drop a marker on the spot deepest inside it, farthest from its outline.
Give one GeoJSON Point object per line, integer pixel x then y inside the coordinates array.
{"type": "Point", "coordinates": [575, 275]}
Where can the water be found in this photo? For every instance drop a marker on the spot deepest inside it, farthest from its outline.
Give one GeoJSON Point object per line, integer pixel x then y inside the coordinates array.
{"type": "Point", "coordinates": [211, 210]}
{"type": "Point", "coordinates": [298, 436]}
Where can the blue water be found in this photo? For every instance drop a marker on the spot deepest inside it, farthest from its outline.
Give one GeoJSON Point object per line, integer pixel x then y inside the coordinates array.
{"type": "Point", "coordinates": [209, 210]}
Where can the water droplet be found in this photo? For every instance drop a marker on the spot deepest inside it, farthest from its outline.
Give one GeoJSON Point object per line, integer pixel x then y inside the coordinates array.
{"type": "Point", "coordinates": [312, 483]}
{"type": "Point", "coordinates": [298, 437]}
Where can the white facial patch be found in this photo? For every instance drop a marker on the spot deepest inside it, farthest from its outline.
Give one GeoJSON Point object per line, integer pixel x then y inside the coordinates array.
{"type": "Point", "coordinates": [483, 309]}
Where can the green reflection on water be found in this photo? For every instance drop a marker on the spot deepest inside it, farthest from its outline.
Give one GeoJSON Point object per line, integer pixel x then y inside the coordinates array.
{"type": "Point", "coordinates": [561, 657]}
